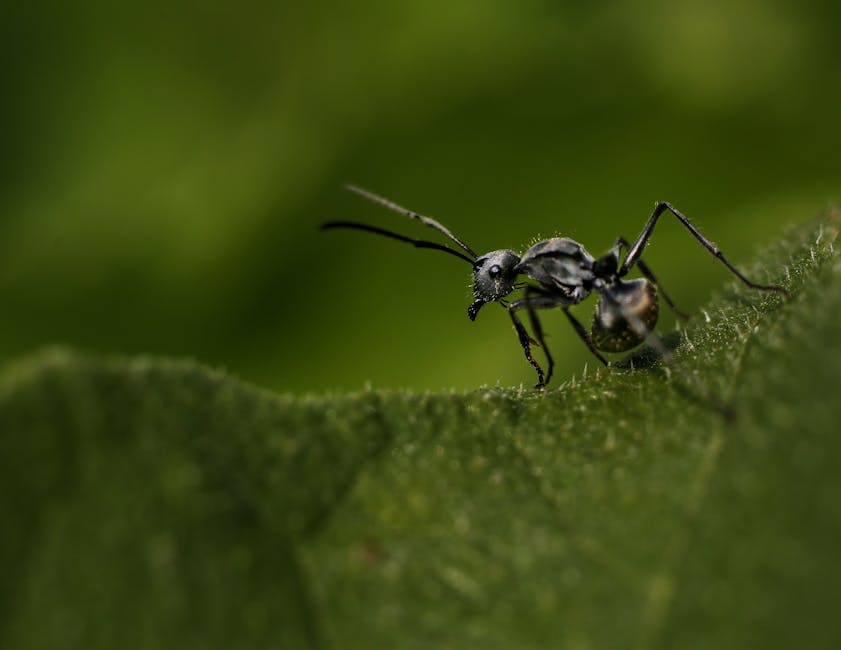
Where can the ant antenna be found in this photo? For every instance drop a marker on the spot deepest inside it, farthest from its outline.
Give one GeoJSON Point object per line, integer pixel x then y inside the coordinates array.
{"type": "Point", "coordinates": [418, 243]}
{"type": "Point", "coordinates": [426, 221]}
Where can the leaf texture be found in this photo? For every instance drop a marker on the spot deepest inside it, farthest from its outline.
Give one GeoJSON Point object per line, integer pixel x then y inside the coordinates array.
{"type": "Point", "coordinates": [692, 504]}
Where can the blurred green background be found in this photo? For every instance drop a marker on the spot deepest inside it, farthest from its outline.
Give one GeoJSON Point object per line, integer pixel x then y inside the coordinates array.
{"type": "Point", "coordinates": [165, 166]}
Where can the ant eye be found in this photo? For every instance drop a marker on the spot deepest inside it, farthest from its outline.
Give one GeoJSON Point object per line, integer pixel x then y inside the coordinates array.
{"type": "Point", "coordinates": [494, 271]}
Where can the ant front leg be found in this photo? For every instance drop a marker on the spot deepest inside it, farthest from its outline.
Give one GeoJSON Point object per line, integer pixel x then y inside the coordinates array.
{"type": "Point", "coordinates": [535, 299]}
{"type": "Point", "coordinates": [537, 328]}
{"type": "Point", "coordinates": [525, 342]}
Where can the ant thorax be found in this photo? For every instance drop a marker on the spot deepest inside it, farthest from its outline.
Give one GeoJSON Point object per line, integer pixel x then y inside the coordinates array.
{"type": "Point", "coordinates": [560, 265]}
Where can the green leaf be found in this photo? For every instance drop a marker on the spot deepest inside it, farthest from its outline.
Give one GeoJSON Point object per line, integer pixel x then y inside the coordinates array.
{"type": "Point", "coordinates": [152, 503]}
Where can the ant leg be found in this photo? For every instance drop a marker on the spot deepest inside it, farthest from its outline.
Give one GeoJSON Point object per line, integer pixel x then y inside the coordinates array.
{"type": "Point", "coordinates": [531, 303]}
{"type": "Point", "coordinates": [582, 333]}
{"type": "Point", "coordinates": [537, 328]}
{"type": "Point", "coordinates": [636, 250]}
{"type": "Point", "coordinates": [649, 275]}
{"type": "Point", "coordinates": [525, 342]}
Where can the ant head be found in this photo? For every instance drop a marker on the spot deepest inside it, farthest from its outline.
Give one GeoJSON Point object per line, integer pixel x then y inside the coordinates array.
{"type": "Point", "coordinates": [493, 278]}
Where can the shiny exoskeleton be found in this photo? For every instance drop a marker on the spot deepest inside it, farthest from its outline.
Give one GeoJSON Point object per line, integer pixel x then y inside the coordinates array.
{"type": "Point", "coordinates": [559, 272]}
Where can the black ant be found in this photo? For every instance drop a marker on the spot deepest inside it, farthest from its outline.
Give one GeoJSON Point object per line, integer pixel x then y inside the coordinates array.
{"type": "Point", "coordinates": [563, 274]}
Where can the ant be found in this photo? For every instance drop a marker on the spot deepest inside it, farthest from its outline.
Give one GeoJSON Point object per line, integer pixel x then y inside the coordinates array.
{"type": "Point", "coordinates": [562, 274]}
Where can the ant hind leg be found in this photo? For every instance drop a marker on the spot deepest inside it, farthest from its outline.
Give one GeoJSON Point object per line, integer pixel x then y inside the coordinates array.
{"type": "Point", "coordinates": [636, 249]}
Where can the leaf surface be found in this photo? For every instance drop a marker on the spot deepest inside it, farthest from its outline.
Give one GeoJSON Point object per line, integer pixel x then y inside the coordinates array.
{"type": "Point", "coordinates": [155, 503]}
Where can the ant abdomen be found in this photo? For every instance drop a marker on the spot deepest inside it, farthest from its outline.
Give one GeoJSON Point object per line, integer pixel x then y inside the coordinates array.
{"type": "Point", "coordinates": [626, 314]}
